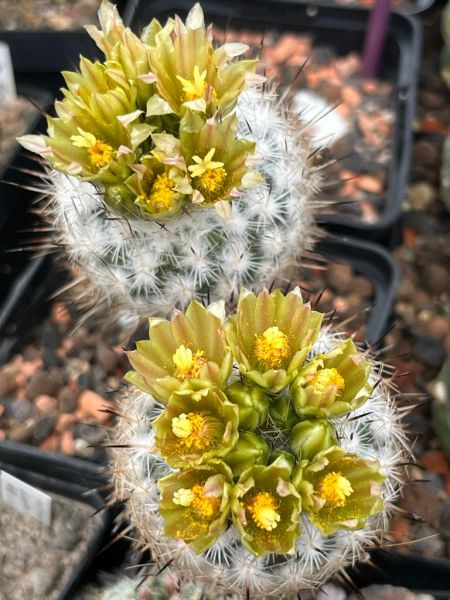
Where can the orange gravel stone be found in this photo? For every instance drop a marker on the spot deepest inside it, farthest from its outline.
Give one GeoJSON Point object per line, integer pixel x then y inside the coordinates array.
{"type": "Point", "coordinates": [91, 404]}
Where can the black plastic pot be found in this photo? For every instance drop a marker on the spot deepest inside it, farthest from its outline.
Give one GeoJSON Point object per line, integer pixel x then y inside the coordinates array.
{"type": "Point", "coordinates": [40, 55]}
{"type": "Point", "coordinates": [413, 571]}
{"type": "Point", "coordinates": [343, 29]}
{"type": "Point", "coordinates": [16, 270]}
{"type": "Point", "coordinates": [416, 7]}
{"type": "Point", "coordinates": [69, 477]}
{"type": "Point", "coordinates": [378, 266]}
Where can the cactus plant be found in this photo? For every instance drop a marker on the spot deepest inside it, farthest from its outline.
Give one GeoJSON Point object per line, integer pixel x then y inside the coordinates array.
{"type": "Point", "coordinates": [138, 588]}
{"type": "Point", "coordinates": [305, 484]}
{"type": "Point", "coordinates": [171, 179]}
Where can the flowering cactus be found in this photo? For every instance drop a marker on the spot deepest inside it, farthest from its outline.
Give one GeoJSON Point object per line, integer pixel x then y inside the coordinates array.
{"type": "Point", "coordinates": [270, 480]}
{"type": "Point", "coordinates": [175, 171]}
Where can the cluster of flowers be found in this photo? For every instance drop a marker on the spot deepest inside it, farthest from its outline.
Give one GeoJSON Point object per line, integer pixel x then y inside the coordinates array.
{"type": "Point", "coordinates": [246, 423]}
{"type": "Point", "coordinates": [154, 124]}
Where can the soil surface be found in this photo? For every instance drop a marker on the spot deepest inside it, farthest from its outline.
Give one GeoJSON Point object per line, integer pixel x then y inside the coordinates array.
{"type": "Point", "coordinates": [350, 118]}
{"type": "Point", "coordinates": [16, 117]}
{"type": "Point", "coordinates": [59, 15]}
{"type": "Point", "coordinates": [36, 561]}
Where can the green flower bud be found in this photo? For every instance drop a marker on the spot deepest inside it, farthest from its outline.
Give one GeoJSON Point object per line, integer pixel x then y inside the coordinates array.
{"type": "Point", "coordinates": [249, 450]}
{"type": "Point", "coordinates": [252, 402]}
{"type": "Point", "coordinates": [310, 437]}
{"type": "Point", "coordinates": [287, 458]}
{"type": "Point", "coordinates": [282, 412]}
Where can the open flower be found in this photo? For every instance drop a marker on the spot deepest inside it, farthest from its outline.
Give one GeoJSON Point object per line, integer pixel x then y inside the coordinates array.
{"type": "Point", "coordinates": [216, 160]}
{"type": "Point", "coordinates": [195, 504]}
{"type": "Point", "coordinates": [188, 351]}
{"type": "Point", "coordinates": [271, 335]}
{"type": "Point", "coordinates": [190, 73]}
{"type": "Point", "coordinates": [333, 384]}
{"type": "Point", "coordinates": [191, 431]}
{"type": "Point", "coordinates": [339, 490]}
{"type": "Point", "coordinates": [266, 508]}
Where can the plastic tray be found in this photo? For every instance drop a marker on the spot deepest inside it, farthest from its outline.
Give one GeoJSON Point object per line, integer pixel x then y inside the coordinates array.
{"type": "Point", "coordinates": [69, 477]}
{"type": "Point", "coordinates": [417, 7]}
{"type": "Point", "coordinates": [343, 29]}
{"type": "Point", "coordinates": [418, 573]}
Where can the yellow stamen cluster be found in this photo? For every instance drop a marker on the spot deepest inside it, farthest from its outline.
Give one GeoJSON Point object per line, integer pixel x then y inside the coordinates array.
{"type": "Point", "coordinates": [334, 488]}
{"type": "Point", "coordinates": [100, 154]}
{"type": "Point", "coordinates": [263, 509]}
{"type": "Point", "coordinates": [187, 363]}
{"type": "Point", "coordinates": [272, 348]}
{"type": "Point", "coordinates": [161, 195]}
{"type": "Point", "coordinates": [211, 182]}
{"type": "Point", "coordinates": [194, 88]}
{"type": "Point", "coordinates": [190, 429]}
{"type": "Point", "coordinates": [326, 380]}
{"type": "Point", "coordinates": [196, 499]}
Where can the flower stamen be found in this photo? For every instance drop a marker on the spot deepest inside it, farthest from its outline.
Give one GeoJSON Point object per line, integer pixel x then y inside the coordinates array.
{"type": "Point", "coordinates": [272, 348]}
{"type": "Point", "coordinates": [190, 429]}
{"type": "Point", "coordinates": [187, 363]}
{"type": "Point", "coordinates": [334, 488]}
{"type": "Point", "coordinates": [161, 195]}
{"type": "Point", "coordinates": [194, 88]}
{"type": "Point", "coordinates": [328, 381]}
{"type": "Point", "coordinates": [263, 509]}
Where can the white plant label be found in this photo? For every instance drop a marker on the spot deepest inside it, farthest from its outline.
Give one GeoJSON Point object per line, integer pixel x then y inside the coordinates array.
{"type": "Point", "coordinates": [25, 498]}
{"type": "Point", "coordinates": [7, 82]}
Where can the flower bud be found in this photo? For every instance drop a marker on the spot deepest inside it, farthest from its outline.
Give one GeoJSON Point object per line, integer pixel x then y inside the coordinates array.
{"type": "Point", "coordinates": [249, 450]}
{"type": "Point", "coordinates": [287, 457]}
{"type": "Point", "coordinates": [312, 436]}
{"type": "Point", "coordinates": [283, 413]}
{"type": "Point", "coordinates": [252, 402]}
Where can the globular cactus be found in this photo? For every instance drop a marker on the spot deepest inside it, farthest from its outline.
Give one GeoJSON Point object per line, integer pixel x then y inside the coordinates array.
{"type": "Point", "coordinates": [176, 171]}
{"type": "Point", "coordinates": [264, 451]}
{"type": "Point", "coordinates": [140, 588]}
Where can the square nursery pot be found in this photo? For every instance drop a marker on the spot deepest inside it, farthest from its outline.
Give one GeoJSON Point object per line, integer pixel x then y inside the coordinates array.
{"type": "Point", "coordinates": [39, 55]}
{"type": "Point", "coordinates": [418, 573]}
{"type": "Point", "coordinates": [343, 29]}
{"type": "Point", "coordinates": [406, 7]}
{"type": "Point", "coordinates": [16, 270]}
{"type": "Point", "coordinates": [68, 477]}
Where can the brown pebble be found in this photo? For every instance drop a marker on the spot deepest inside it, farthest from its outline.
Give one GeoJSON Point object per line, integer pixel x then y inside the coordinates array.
{"type": "Point", "coordinates": [51, 443]}
{"type": "Point", "coordinates": [60, 314]}
{"type": "Point", "coordinates": [340, 276]}
{"type": "Point", "coordinates": [67, 443]}
{"type": "Point", "coordinates": [65, 420]}
{"type": "Point", "coordinates": [351, 96]}
{"type": "Point", "coordinates": [46, 403]}
{"type": "Point", "coordinates": [22, 432]}
{"type": "Point", "coordinates": [438, 326]}
{"type": "Point", "coordinates": [370, 184]}
{"type": "Point", "coordinates": [91, 404]}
